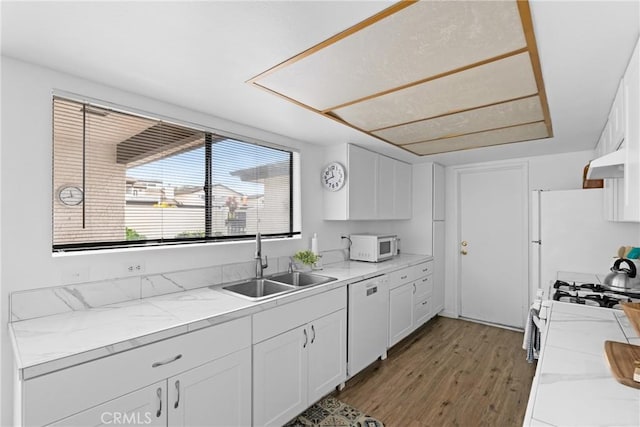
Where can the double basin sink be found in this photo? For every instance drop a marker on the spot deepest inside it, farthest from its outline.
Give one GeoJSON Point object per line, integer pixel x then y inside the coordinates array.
{"type": "Point", "coordinates": [277, 284]}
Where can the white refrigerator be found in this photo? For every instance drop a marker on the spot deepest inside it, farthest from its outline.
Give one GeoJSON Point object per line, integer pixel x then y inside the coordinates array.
{"type": "Point", "coordinates": [570, 234]}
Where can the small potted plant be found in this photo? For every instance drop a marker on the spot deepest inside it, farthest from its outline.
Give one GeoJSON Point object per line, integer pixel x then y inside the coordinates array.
{"type": "Point", "coordinates": [307, 257]}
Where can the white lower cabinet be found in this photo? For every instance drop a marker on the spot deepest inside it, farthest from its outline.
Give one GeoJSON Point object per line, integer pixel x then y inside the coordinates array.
{"type": "Point", "coordinates": [280, 366]}
{"type": "Point", "coordinates": [410, 300]}
{"type": "Point", "coordinates": [199, 378]}
{"type": "Point", "coordinates": [293, 368]}
{"type": "Point", "coordinates": [217, 393]}
{"type": "Point", "coordinates": [400, 312]}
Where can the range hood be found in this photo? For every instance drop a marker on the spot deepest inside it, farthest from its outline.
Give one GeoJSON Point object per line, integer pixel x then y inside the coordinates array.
{"type": "Point", "coordinates": [608, 166]}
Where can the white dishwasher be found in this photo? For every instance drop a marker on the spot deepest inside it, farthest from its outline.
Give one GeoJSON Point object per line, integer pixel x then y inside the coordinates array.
{"type": "Point", "coordinates": [367, 322]}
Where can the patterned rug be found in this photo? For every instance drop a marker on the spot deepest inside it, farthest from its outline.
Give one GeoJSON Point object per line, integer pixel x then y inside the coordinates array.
{"type": "Point", "coordinates": [330, 412]}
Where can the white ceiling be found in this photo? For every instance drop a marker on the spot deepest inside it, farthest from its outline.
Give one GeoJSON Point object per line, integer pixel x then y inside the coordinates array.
{"type": "Point", "coordinates": [199, 55]}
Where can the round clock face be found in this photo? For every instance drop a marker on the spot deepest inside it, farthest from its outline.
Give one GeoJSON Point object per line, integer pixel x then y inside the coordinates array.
{"type": "Point", "coordinates": [333, 176]}
{"type": "Point", "coordinates": [70, 195]}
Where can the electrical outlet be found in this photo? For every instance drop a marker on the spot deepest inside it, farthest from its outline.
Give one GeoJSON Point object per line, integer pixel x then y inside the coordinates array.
{"type": "Point", "coordinates": [75, 275]}
{"type": "Point", "coordinates": [133, 268]}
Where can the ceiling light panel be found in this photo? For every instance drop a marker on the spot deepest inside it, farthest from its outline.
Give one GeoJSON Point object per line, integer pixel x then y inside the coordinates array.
{"type": "Point", "coordinates": [526, 110]}
{"type": "Point", "coordinates": [449, 75]}
{"type": "Point", "coordinates": [497, 81]}
{"type": "Point", "coordinates": [483, 139]}
{"type": "Point", "coordinates": [422, 40]}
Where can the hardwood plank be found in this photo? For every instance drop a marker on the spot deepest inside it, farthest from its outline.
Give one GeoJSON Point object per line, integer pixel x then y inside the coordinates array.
{"type": "Point", "coordinates": [449, 372]}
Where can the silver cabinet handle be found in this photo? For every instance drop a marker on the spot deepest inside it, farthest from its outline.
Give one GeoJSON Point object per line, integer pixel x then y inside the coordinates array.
{"type": "Point", "coordinates": [314, 334]}
{"type": "Point", "coordinates": [165, 362]}
{"type": "Point", "coordinates": [175, 405]}
{"type": "Point", "coordinates": [159, 393]}
{"type": "Point", "coordinates": [425, 279]}
{"type": "Point", "coordinates": [306, 338]}
{"type": "Point", "coordinates": [424, 270]}
{"type": "Point", "coordinates": [403, 277]}
{"type": "Point", "coordinates": [425, 302]}
{"type": "Point", "coordinates": [414, 288]}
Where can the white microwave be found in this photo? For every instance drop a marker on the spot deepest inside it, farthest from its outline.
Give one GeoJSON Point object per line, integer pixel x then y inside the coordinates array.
{"type": "Point", "coordinates": [373, 247]}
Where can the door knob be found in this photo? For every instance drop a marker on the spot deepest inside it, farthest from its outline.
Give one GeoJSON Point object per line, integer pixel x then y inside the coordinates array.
{"type": "Point", "coordinates": [464, 243]}
{"type": "Point", "coordinates": [463, 252]}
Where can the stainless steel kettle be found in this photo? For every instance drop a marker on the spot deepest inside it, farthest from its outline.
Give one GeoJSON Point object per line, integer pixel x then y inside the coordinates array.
{"type": "Point", "coordinates": [623, 279]}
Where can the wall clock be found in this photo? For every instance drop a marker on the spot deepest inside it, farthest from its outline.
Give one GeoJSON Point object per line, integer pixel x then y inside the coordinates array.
{"type": "Point", "coordinates": [333, 176]}
{"type": "Point", "coordinates": [70, 195]}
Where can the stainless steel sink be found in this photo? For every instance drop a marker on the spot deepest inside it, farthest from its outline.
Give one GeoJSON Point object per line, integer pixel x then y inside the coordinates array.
{"type": "Point", "coordinates": [299, 278]}
{"type": "Point", "coordinates": [259, 288]}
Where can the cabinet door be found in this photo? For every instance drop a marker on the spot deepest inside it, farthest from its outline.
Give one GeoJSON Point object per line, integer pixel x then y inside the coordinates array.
{"type": "Point", "coordinates": [617, 119]}
{"type": "Point", "coordinates": [217, 393]}
{"type": "Point", "coordinates": [402, 190]}
{"type": "Point", "coordinates": [400, 312]}
{"type": "Point", "coordinates": [147, 406]}
{"type": "Point", "coordinates": [438, 192]}
{"type": "Point", "coordinates": [438, 266]}
{"type": "Point", "coordinates": [362, 181]}
{"type": "Point", "coordinates": [386, 187]}
{"type": "Point", "coordinates": [422, 311]}
{"type": "Point", "coordinates": [280, 377]}
{"type": "Point", "coordinates": [632, 139]}
{"type": "Point", "coordinates": [327, 353]}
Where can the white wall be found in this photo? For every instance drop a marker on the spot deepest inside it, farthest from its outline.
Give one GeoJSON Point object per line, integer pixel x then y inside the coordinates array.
{"type": "Point", "coordinates": [26, 192]}
{"type": "Point", "coordinates": [553, 172]}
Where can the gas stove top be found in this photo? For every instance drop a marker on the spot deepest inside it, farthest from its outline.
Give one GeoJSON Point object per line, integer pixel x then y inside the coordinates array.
{"type": "Point", "coordinates": [591, 294]}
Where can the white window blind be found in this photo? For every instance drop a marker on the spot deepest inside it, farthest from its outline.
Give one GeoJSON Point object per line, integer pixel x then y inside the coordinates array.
{"type": "Point", "coordinates": [121, 179]}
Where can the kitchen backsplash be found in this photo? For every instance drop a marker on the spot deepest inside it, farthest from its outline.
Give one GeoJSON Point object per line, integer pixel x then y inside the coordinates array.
{"type": "Point", "coordinates": [75, 297]}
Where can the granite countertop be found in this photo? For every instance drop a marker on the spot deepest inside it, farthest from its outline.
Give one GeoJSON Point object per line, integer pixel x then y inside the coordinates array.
{"type": "Point", "coordinates": [50, 343]}
{"type": "Point", "coordinates": [573, 385]}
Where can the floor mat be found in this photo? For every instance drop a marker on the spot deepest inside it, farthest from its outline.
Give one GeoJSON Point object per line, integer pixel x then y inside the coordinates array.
{"type": "Point", "coordinates": [330, 412]}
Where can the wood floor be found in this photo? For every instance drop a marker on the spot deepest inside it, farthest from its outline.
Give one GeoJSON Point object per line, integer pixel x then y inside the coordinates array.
{"type": "Point", "coordinates": [448, 373]}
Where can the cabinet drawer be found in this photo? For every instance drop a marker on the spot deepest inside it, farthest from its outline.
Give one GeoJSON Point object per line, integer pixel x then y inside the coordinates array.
{"type": "Point", "coordinates": [270, 323]}
{"type": "Point", "coordinates": [402, 276]}
{"type": "Point", "coordinates": [51, 397]}
{"type": "Point", "coordinates": [422, 311]}
{"type": "Point", "coordinates": [422, 269]}
{"type": "Point", "coordinates": [424, 287]}
{"type": "Point", "coordinates": [409, 274]}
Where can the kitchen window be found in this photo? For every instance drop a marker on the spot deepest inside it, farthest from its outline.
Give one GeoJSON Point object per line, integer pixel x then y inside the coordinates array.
{"type": "Point", "coordinates": [125, 180]}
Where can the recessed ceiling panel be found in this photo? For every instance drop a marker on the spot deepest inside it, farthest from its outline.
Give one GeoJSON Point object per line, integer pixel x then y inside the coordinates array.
{"type": "Point", "coordinates": [482, 139]}
{"type": "Point", "coordinates": [510, 113]}
{"type": "Point", "coordinates": [497, 81]}
{"type": "Point", "coordinates": [419, 41]}
{"type": "Point", "coordinates": [429, 76]}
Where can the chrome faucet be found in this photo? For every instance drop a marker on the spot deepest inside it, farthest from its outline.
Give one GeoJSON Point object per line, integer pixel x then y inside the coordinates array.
{"type": "Point", "coordinates": [259, 265]}
{"type": "Point", "coordinates": [292, 265]}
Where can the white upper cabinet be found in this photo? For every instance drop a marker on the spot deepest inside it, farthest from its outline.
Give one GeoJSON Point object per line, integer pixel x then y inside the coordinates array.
{"type": "Point", "coordinates": [617, 120]}
{"type": "Point", "coordinates": [438, 192]}
{"type": "Point", "coordinates": [386, 187]}
{"type": "Point", "coordinates": [376, 186]}
{"type": "Point", "coordinates": [402, 190]}
{"type": "Point", "coordinates": [362, 171]}
{"type": "Point", "coordinates": [618, 149]}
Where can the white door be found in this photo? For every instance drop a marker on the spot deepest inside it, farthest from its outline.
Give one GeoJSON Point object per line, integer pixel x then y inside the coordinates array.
{"type": "Point", "coordinates": [400, 312]}
{"type": "Point", "coordinates": [147, 406]}
{"type": "Point", "coordinates": [217, 393]}
{"type": "Point", "coordinates": [493, 244]}
{"type": "Point", "coordinates": [327, 352]}
{"type": "Point", "coordinates": [280, 377]}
